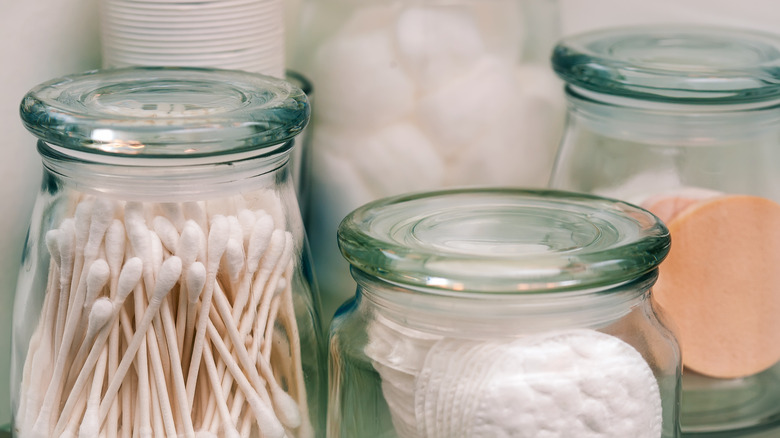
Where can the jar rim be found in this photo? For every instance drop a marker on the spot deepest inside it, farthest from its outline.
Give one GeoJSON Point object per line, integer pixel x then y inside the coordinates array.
{"type": "Point", "coordinates": [673, 64]}
{"type": "Point", "coordinates": [503, 240]}
{"type": "Point", "coordinates": [165, 112]}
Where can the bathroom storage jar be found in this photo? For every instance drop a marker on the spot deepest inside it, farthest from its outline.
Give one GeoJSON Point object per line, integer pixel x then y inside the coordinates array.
{"type": "Point", "coordinates": [686, 122]}
{"type": "Point", "coordinates": [502, 312]}
{"type": "Point", "coordinates": [422, 95]}
{"type": "Point", "coordinates": [165, 289]}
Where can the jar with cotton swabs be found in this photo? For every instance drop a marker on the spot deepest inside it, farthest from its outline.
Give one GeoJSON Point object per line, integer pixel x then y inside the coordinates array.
{"type": "Point", "coordinates": [165, 289]}
{"type": "Point", "coordinates": [485, 313]}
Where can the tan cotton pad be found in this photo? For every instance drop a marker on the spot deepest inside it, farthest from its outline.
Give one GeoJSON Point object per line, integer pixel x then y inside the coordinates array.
{"type": "Point", "coordinates": [720, 284]}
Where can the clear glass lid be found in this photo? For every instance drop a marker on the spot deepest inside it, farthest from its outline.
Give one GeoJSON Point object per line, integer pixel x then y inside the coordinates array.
{"type": "Point", "coordinates": [503, 240]}
{"type": "Point", "coordinates": [155, 112]}
{"type": "Point", "coordinates": [687, 65]}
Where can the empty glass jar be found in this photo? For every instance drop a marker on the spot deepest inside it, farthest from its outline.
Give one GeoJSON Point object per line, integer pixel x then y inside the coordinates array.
{"type": "Point", "coordinates": [501, 312]}
{"type": "Point", "coordinates": [165, 289]}
{"type": "Point", "coordinates": [686, 122]}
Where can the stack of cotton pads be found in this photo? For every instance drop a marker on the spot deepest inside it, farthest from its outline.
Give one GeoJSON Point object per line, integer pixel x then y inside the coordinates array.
{"type": "Point", "coordinates": [572, 383]}
{"type": "Point", "coordinates": [232, 34]}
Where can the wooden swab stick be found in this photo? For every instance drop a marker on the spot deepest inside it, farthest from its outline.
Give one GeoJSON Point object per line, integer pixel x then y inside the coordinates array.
{"type": "Point", "coordinates": [115, 252]}
{"type": "Point", "coordinates": [65, 242]}
{"type": "Point", "coordinates": [167, 278]}
{"type": "Point", "coordinates": [176, 370]}
{"type": "Point", "coordinates": [269, 425]}
{"type": "Point", "coordinates": [43, 424]}
{"type": "Point", "coordinates": [161, 398]}
{"type": "Point", "coordinates": [89, 425]}
{"type": "Point", "coordinates": [39, 352]}
{"type": "Point", "coordinates": [99, 317]}
{"type": "Point", "coordinates": [227, 423]}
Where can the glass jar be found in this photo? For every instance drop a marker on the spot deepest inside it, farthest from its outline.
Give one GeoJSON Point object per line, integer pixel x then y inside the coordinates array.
{"type": "Point", "coordinates": [686, 122]}
{"type": "Point", "coordinates": [502, 312]}
{"type": "Point", "coordinates": [421, 95]}
{"type": "Point", "coordinates": [165, 288]}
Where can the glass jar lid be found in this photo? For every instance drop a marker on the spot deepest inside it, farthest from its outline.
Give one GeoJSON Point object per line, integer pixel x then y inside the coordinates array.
{"type": "Point", "coordinates": [503, 240]}
{"type": "Point", "coordinates": [172, 112]}
{"type": "Point", "coordinates": [690, 65]}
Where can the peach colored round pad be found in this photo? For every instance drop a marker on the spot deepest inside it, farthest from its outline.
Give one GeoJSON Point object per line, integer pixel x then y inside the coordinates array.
{"type": "Point", "coordinates": [720, 284]}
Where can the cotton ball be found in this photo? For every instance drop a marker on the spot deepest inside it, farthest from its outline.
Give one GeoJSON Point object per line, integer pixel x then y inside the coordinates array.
{"type": "Point", "coordinates": [436, 44]}
{"type": "Point", "coordinates": [466, 108]}
{"type": "Point", "coordinates": [523, 151]}
{"type": "Point", "coordinates": [398, 159]}
{"type": "Point", "coordinates": [360, 82]}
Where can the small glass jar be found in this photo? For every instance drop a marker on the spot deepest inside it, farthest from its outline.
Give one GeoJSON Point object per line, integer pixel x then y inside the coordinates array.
{"type": "Point", "coordinates": [422, 95]}
{"type": "Point", "coordinates": [502, 312]}
{"type": "Point", "coordinates": [686, 123]}
{"type": "Point", "coordinates": [165, 289]}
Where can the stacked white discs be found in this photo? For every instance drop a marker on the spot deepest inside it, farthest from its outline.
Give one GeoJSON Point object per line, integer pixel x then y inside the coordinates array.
{"type": "Point", "coordinates": [232, 34]}
{"type": "Point", "coordinates": [575, 382]}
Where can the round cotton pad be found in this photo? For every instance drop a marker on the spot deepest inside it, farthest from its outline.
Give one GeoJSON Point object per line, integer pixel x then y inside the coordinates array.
{"type": "Point", "coordinates": [579, 383]}
{"type": "Point", "coordinates": [719, 285]}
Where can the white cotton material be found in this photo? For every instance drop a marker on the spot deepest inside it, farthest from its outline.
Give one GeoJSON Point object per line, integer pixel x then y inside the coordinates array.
{"type": "Point", "coordinates": [102, 216]}
{"type": "Point", "coordinates": [469, 106]}
{"type": "Point", "coordinates": [115, 245]}
{"type": "Point", "coordinates": [129, 278]}
{"type": "Point", "coordinates": [361, 82]}
{"type": "Point", "coordinates": [52, 245]}
{"type": "Point", "coordinates": [195, 280]}
{"type": "Point", "coordinates": [219, 234]}
{"type": "Point", "coordinates": [436, 43]}
{"type": "Point", "coordinates": [189, 244]}
{"type": "Point", "coordinates": [577, 382]}
{"type": "Point", "coordinates": [169, 274]}
{"type": "Point", "coordinates": [234, 259]}
{"type": "Point", "coordinates": [101, 313]}
{"type": "Point", "coordinates": [97, 277]}
{"type": "Point", "coordinates": [398, 159]}
{"type": "Point", "coordinates": [82, 218]}
{"type": "Point", "coordinates": [259, 238]}
{"type": "Point", "coordinates": [169, 235]}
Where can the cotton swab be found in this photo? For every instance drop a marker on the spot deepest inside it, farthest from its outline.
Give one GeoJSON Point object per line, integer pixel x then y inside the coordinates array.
{"type": "Point", "coordinates": [99, 316]}
{"type": "Point", "coordinates": [195, 280]}
{"type": "Point", "coordinates": [166, 279]}
{"type": "Point", "coordinates": [115, 252]}
{"type": "Point", "coordinates": [217, 242]}
{"type": "Point", "coordinates": [43, 423]}
{"type": "Point", "coordinates": [168, 233]}
{"type": "Point", "coordinates": [227, 423]}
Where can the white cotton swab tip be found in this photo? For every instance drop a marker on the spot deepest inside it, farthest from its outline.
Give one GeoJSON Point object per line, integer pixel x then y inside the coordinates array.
{"type": "Point", "coordinates": [195, 280]}
{"type": "Point", "coordinates": [129, 277]}
{"type": "Point", "coordinates": [101, 313]}
{"type": "Point", "coordinates": [189, 243]}
{"type": "Point", "coordinates": [258, 241]}
{"type": "Point", "coordinates": [167, 277]}
{"type": "Point", "coordinates": [285, 407]}
{"type": "Point", "coordinates": [167, 232]}
{"type": "Point", "coordinates": [97, 277]}
{"type": "Point", "coordinates": [52, 243]}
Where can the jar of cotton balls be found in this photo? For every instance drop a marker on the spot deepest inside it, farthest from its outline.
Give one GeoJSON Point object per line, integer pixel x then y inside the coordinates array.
{"type": "Point", "coordinates": [422, 95]}
{"type": "Point", "coordinates": [164, 289]}
{"type": "Point", "coordinates": [490, 313]}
